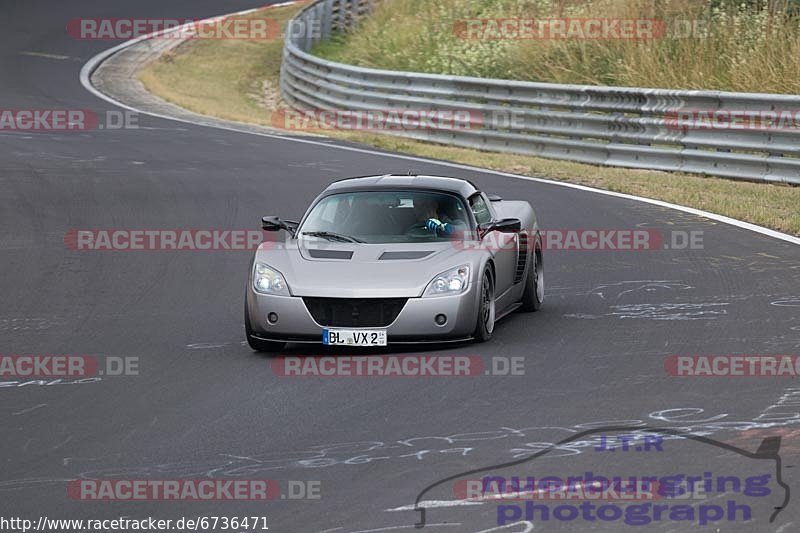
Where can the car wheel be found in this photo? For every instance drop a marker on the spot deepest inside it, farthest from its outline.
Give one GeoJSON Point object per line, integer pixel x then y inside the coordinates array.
{"type": "Point", "coordinates": [486, 308]}
{"type": "Point", "coordinates": [255, 343]}
{"type": "Point", "coordinates": [533, 296]}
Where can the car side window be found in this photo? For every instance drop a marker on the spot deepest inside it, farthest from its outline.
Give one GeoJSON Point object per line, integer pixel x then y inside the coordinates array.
{"type": "Point", "coordinates": [480, 209]}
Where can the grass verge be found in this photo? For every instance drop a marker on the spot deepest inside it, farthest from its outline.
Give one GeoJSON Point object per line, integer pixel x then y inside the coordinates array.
{"type": "Point", "coordinates": [238, 80]}
{"type": "Point", "coordinates": [726, 45]}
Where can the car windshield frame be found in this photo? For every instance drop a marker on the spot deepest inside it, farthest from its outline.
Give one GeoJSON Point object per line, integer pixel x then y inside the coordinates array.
{"type": "Point", "coordinates": [465, 232]}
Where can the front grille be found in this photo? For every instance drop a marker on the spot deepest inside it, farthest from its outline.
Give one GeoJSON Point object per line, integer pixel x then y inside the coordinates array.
{"type": "Point", "coordinates": [355, 312]}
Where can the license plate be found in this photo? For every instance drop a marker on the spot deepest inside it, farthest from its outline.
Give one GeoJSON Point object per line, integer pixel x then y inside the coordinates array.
{"type": "Point", "coordinates": [354, 337]}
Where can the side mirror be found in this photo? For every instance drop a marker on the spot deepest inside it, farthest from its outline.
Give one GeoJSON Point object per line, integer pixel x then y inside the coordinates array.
{"type": "Point", "coordinates": [506, 225]}
{"type": "Point", "coordinates": [273, 223]}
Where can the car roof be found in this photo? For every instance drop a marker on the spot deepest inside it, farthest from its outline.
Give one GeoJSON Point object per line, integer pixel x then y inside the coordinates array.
{"type": "Point", "coordinates": [462, 187]}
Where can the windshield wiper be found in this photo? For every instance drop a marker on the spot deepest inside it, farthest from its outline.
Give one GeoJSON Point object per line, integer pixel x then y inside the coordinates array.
{"type": "Point", "coordinates": [331, 236]}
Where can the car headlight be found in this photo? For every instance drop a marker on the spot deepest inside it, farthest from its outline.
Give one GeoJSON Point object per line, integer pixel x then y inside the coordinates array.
{"type": "Point", "coordinates": [454, 281]}
{"type": "Point", "coordinates": [267, 280]}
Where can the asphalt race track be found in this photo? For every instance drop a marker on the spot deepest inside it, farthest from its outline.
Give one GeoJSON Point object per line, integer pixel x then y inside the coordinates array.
{"type": "Point", "coordinates": [205, 406]}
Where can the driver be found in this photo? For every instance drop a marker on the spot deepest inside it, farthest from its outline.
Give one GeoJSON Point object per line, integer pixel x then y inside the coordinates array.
{"type": "Point", "coordinates": [434, 218]}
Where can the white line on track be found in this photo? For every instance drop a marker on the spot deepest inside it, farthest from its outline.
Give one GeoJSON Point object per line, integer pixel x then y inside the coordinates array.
{"type": "Point", "coordinates": [94, 62]}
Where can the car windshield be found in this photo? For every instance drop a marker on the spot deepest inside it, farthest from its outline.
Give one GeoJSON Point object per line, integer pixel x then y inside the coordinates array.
{"type": "Point", "coordinates": [387, 217]}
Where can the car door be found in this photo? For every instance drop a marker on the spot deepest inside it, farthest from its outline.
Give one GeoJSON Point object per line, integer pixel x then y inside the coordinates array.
{"type": "Point", "coordinates": [502, 246]}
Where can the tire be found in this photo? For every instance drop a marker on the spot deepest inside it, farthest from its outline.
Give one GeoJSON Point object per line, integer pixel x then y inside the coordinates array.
{"type": "Point", "coordinates": [259, 345]}
{"type": "Point", "coordinates": [486, 308]}
{"type": "Point", "coordinates": [533, 295]}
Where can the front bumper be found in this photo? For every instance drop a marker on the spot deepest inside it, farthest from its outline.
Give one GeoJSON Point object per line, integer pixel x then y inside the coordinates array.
{"type": "Point", "coordinates": [414, 323]}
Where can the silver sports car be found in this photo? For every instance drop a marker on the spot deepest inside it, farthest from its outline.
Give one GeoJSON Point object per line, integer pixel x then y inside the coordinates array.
{"type": "Point", "coordinates": [394, 259]}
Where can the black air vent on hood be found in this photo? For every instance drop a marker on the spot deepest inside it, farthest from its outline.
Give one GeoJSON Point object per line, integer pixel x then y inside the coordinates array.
{"type": "Point", "coordinates": [330, 254]}
{"type": "Point", "coordinates": [394, 256]}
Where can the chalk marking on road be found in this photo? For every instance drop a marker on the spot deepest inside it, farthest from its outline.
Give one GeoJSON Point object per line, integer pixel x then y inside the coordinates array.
{"type": "Point", "coordinates": [90, 66]}
{"type": "Point", "coordinates": [327, 455]}
{"type": "Point", "coordinates": [391, 528]}
{"type": "Point", "coordinates": [65, 441]}
{"type": "Point", "coordinates": [669, 311]}
{"type": "Point", "coordinates": [410, 526]}
{"type": "Point", "coordinates": [648, 285]}
{"type": "Point", "coordinates": [13, 484]}
{"type": "Point", "coordinates": [528, 527]}
{"type": "Point", "coordinates": [434, 504]}
{"type": "Point", "coordinates": [48, 56]}
{"type": "Point", "coordinates": [208, 345]}
{"type": "Point", "coordinates": [792, 301]}
{"type": "Point", "coordinates": [29, 409]}
{"type": "Point", "coordinates": [44, 383]}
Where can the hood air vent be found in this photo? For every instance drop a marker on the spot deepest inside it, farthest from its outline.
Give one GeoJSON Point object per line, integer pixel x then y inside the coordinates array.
{"type": "Point", "coordinates": [330, 254]}
{"type": "Point", "coordinates": [399, 256]}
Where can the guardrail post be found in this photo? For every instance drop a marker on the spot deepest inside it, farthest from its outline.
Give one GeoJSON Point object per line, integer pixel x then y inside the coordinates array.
{"type": "Point", "coordinates": [326, 19]}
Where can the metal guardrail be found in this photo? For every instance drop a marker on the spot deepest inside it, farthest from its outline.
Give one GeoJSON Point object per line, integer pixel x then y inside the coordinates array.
{"type": "Point", "coordinates": [618, 126]}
